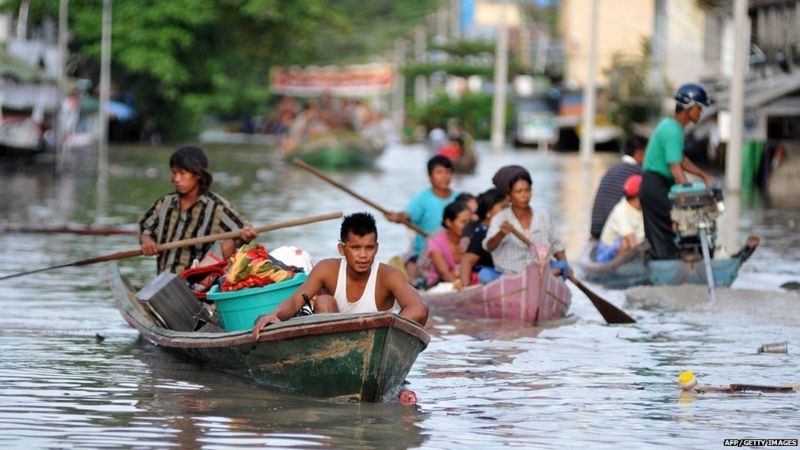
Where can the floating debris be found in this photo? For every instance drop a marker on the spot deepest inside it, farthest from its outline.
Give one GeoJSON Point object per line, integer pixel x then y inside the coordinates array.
{"type": "Point", "coordinates": [777, 347]}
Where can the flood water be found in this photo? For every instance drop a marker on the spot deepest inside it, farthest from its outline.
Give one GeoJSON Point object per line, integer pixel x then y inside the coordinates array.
{"type": "Point", "coordinates": [578, 383]}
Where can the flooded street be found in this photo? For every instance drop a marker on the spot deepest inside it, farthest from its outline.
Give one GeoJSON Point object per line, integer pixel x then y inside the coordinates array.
{"type": "Point", "coordinates": [73, 374]}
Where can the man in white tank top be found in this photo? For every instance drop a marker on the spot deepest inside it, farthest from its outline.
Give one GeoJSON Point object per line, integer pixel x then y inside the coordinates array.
{"type": "Point", "coordinates": [358, 283]}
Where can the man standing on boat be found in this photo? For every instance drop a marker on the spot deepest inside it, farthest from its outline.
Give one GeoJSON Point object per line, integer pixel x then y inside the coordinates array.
{"type": "Point", "coordinates": [191, 211]}
{"type": "Point", "coordinates": [664, 165]}
{"type": "Point", "coordinates": [358, 284]}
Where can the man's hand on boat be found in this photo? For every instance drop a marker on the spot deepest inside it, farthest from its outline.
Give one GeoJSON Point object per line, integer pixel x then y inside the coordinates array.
{"type": "Point", "coordinates": [263, 321]}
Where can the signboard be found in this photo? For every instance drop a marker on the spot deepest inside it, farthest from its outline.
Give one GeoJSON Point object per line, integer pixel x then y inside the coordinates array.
{"type": "Point", "coordinates": [490, 14]}
{"type": "Point", "coordinates": [355, 80]}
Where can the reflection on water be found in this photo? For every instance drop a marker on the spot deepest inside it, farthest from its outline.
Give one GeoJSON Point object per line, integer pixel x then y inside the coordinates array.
{"type": "Point", "coordinates": [575, 383]}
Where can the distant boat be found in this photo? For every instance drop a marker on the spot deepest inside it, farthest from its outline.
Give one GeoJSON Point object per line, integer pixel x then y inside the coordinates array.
{"type": "Point", "coordinates": [335, 150]}
{"type": "Point", "coordinates": [363, 357]}
{"type": "Point", "coordinates": [529, 297]}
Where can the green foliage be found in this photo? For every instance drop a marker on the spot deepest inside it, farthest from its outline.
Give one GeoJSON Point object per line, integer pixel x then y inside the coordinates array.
{"type": "Point", "coordinates": [633, 98]}
{"type": "Point", "coordinates": [473, 110]}
{"type": "Point", "coordinates": [464, 48]}
{"type": "Point", "coordinates": [183, 59]}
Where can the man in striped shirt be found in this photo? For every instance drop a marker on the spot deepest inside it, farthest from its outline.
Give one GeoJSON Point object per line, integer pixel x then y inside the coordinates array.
{"type": "Point", "coordinates": [610, 191]}
{"type": "Point", "coordinates": [189, 212]}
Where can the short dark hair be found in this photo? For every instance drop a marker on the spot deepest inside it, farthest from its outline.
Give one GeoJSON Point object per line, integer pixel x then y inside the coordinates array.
{"type": "Point", "coordinates": [464, 197]}
{"type": "Point", "coordinates": [487, 200]}
{"type": "Point", "coordinates": [440, 160]}
{"type": "Point", "coordinates": [634, 143]}
{"type": "Point", "coordinates": [679, 108]}
{"type": "Point", "coordinates": [360, 224]}
{"type": "Point", "coordinates": [194, 160]}
{"type": "Point", "coordinates": [452, 211]}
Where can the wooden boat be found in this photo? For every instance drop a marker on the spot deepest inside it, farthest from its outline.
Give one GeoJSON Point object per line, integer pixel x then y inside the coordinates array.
{"type": "Point", "coordinates": [338, 150]}
{"type": "Point", "coordinates": [622, 272]}
{"type": "Point", "coordinates": [468, 161]}
{"type": "Point", "coordinates": [364, 357]}
{"type": "Point", "coordinates": [531, 297]}
{"type": "Point", "coordinates": [635, 269]}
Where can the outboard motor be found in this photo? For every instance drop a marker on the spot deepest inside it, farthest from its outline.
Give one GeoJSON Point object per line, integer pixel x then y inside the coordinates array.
{"type": "Point", "coordinates": [694, 213]}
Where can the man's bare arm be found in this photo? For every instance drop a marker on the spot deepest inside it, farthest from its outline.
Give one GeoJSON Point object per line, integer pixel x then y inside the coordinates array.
{"type": "Point", "coordinates": [411, 304]}
{"type": "Point", "coordinates": [689, 166]}
{"type": "Point", "coordinates": [289, 307]}
{"type": "Point", "coordinates": [677, 172]}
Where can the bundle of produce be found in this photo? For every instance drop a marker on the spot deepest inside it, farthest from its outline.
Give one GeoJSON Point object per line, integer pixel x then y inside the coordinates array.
{"type": "Point", "coordinates": [252, 267]}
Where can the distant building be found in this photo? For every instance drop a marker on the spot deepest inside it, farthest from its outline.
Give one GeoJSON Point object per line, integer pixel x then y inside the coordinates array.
{"type": "Point", "coordinates": [623, 26]}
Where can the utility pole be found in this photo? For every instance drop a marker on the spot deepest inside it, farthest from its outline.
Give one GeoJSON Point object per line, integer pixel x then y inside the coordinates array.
{"type": "Point", "coordinates": [105, 90]}
{"type": "Point", "coordinates": [500, 84]}
{"type": "Point", "coordinates": [398, 107]}
{"type": "Point", "coordinates": [590, 92]}
{"type": "Point", "coordinates": [22, 20]}
{"type": "Point", "coordinates": [455, 19]}
{"type": "Point", "coordinates": [61, 133]}
{"type": "Point", "coordinates": [421, 81]}
{"type": "Point", "coordinates": [658, 46]}
{"type": "Point", "coordinates": [733, 159]}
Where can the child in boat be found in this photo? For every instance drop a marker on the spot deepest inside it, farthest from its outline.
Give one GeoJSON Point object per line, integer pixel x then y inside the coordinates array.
{"type": "Point", "coordinates": [624, 229]}
{"type": "Point", "coordinates": [477, 262]}
{"type": "Point", "coordinates": [426, 208]}
{"type": "Point", "coordinates": [442, 254]}
{"type": "Point", "coordinates": [472, 203]}
{"type": "Point", "coordinates": [510, 254]}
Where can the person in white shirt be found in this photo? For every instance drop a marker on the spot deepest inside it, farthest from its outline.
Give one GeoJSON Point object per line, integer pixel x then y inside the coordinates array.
{"type": "Point", "coordinates": [624, 228]}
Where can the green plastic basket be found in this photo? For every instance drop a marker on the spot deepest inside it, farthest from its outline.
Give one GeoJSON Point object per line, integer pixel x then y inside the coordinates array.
{"type": "Point", "coordinates": [238, 310]}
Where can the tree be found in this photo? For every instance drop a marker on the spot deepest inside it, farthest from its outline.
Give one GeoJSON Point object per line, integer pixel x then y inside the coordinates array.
{"type": "Point", "coordinates": [183, 59]}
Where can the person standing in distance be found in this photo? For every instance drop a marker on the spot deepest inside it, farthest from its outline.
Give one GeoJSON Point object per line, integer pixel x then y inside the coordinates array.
{"type": "Point", "coordinates": [664, 165]}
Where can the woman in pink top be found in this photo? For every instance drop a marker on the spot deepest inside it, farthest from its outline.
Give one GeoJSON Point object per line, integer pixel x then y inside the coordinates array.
{"type": "Point", "coordinates": [442, 254]}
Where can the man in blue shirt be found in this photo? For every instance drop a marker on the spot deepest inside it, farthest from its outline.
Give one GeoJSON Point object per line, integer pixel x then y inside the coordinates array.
{"type": "Point", "coordinates": [664, 165]}
{"type": "Point", "coordinates": [425, 210]}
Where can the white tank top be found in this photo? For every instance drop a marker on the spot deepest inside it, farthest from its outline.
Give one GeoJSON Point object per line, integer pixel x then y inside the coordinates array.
{"type": "Point", "coordinates": [366, 304]}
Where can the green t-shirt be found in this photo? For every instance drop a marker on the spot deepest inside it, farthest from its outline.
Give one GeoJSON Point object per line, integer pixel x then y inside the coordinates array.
{"type": "Point", "coordinates": [664, 148]}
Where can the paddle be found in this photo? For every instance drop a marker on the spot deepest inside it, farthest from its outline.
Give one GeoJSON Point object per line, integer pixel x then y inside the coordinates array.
{"type": "Point", "coordinates": [369, 202]}
{"type": "Point", "coordinates": [183, 243]}
{"type": "Point", "coordinates": [23, 228]}
{"type": "Point", "coordinates": [610, 313]}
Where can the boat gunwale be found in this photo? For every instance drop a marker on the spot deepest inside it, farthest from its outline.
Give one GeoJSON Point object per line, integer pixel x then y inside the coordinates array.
{"type": "Point", "coordinates": [322, 324]}
{"type": "Point", "coordinates": [437, 299]}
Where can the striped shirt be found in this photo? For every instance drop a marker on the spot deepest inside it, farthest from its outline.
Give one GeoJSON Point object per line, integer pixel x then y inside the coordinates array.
{"type": "Point", "coordinates": [610, 191]}
{"type": "Point", "coordinates": [512, 255]}
{"type": "Point", "coordinates": [165, 222]}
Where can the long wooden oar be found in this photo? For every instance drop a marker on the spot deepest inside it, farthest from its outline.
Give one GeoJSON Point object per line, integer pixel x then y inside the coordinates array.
{"type": "Point", "coordinates": [300, 163]}
{"type": "Point", "coordinates": [610, 313]}
{"type": "Point", "coordinates": [90, 231]}
{"type": "Point", "coordinates": [183, 243]}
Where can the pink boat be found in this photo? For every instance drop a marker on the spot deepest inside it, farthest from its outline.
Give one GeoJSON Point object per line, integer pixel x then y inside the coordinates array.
{"type": "Point", "coordinates": [532, 296]}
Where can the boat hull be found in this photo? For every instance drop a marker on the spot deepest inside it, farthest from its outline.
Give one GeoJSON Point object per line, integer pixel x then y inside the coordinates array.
{"type": "Point", "coordinates": [635, 269]}
{"type": "Point", "coordinates": [336, 152]}
{"type": "Point", "coordinates": [531, 297]}
{"type": "Point", "coordinates": [364, 357]}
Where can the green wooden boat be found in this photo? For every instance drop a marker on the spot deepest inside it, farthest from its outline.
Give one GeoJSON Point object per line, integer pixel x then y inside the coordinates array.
{"type": "Point", "coordinates": [364, 357]}
{"type": "Point", "coordinates": [338, 150]}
